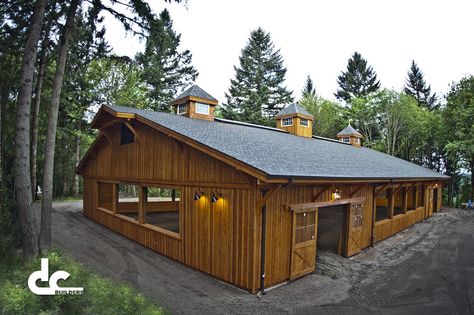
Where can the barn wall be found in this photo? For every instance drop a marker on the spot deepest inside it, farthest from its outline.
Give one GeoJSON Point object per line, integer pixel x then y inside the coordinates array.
{"type": "Point", "coordinates": [279, 224]}
{"type": "Point", "coordinates": [216, 238]}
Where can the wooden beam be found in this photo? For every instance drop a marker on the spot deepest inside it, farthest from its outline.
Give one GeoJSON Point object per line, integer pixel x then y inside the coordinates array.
{"type": "Point", "coordinates": [110, 123]}
{"type": "Point", "coordinates": [380, 189]}
{"type": "Point", "coordinates": [357, 189]}
{"type": "Point", "coordinates": [115, 198]}
{"type": "Point", "coordinates": [130, 127]}
{"type": "Point", "coordinates": [264, 199]}
{"type": "Point", "coordinates": [397, 189]}
{"type": "Point", "coordinates": [125, 115]}
{"type": "Point", "coordinates": [142, 197]}
{"type": "Point", "coordinates": [319, 204]}
{"type": "Point", "coordinates": [322, 191]}
{"type": "Point", "coordinates": [103, 133]}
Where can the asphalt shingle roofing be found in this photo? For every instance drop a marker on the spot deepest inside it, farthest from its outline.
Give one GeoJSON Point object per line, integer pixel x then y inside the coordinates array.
{"type": "Point", "coordinates": [197, 92]}
{"type": "Point", "coordinates": [294, 108]}
{"type": "Point", "coordinates": [280, 154]}
{"type": "Point", "coordinates": [349, 130]}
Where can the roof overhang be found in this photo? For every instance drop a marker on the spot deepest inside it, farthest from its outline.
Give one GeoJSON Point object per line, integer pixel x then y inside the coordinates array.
{"type": "Point", "coordinates": [194, 99]}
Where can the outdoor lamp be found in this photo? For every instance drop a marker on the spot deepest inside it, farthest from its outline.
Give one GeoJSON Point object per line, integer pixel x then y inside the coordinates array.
{"type": "Point", "coordinates": [198, 194]}
{"type": "Point", "coordinates": [214, 198]}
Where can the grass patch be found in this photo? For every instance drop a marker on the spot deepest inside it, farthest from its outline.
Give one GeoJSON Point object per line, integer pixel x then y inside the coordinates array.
{"type": "Point", "coordinates": [67, 199]}
{"type": "Point", "coordinates": [101, 295]}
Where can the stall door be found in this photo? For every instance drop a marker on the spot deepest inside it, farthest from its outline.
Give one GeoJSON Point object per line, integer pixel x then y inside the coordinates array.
{"type": "Point", "coordinates": [303, 249]}
{"type": "Point", "coordinates": [354, 229]}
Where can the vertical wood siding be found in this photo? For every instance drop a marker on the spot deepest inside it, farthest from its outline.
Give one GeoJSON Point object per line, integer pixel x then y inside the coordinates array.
{"type": "Point", "coordinates": [217, 238]}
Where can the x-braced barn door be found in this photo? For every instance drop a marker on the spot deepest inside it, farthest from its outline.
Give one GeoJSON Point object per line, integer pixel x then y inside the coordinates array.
{"type": "Point", "coordinates": [354, 229]}
{"type": "Point", "coordinates": [303, 249]}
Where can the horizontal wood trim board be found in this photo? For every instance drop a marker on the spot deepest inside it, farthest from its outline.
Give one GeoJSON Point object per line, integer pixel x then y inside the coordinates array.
{"type": "Point", "coordinates": [168, 183]}
{"type": "Point", "coordinates": [304, 206]}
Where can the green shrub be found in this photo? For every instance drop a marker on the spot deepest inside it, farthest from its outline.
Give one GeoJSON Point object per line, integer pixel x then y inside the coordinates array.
{"type": "Point", "coordinates": [101, 295]}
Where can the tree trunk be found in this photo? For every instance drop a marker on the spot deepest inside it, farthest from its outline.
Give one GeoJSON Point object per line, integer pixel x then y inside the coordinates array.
{"type": "Point", "coordinates": [35, 117]}
{"type": "Point", "coordinates": [47, 195]}
{"type": "Point", "coordinates": [77, 156]}
{"type": "Point", "coordinates": [1, 165]}
{"type": "Point", "coordinates": [23, 198]}
{"type": "Point", "coordinates": [472, 180]}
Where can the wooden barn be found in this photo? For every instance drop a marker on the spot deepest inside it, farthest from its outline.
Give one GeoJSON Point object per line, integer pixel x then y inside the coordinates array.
{"type": "Point", "coordinates": [247, 204]}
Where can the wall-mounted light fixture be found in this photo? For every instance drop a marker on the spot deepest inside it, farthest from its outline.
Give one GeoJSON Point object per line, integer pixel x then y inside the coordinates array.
{"type": "Point", "coordinates": [214, 198]}
{"type": "Point", "coordinates": [199, 193]}
{"type": "Point", "coordinates": [336, 193]}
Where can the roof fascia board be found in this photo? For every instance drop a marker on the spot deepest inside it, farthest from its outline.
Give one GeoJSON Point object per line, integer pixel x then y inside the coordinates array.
{"type": "Point", "coordinates": [194, 99]}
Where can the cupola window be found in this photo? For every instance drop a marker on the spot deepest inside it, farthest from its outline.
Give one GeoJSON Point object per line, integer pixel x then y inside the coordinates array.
{"type": "Point", "coordinates": [304, 122]}
{"type": "Point", "coordinates": [346, 139]}
{"type": "Point", "coordinates": [181, 109]}
{"type": "Point", "coordinates": [285, 122]}
{"type": "Point", "coordinates": [202, 108]}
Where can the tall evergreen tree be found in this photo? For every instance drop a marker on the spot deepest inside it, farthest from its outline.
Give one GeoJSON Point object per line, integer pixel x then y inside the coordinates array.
{"type": "Point", "coordinates": [358, 80]}
{"type": "Point", "coordinates": [308, 89]}
{"type": "Point", "coordinates": [257, 93]}
{"type": "Point", "coordinates": [416, 86]}
{"type": "Point", "coordinates": [164, 68]}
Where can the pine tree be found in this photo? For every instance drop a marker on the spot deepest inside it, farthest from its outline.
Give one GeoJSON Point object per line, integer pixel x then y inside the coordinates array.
{"type": "Point", "coordinates": [257, 93]}
{"type": "Point", "coordinates": [416, 86]}
{"type": "Point", "coordinates": [164, 68]}
{"type": "Point", "coordinates": [358, 80]}
{"type": "Point", "coordinates": [308, 89]}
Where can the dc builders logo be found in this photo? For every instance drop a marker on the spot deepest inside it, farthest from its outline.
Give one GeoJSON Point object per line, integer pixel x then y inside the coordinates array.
{"type": "Point", "coordinates": [53, 288]}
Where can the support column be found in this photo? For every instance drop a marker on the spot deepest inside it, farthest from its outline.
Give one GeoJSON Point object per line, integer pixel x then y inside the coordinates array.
{"type": "Point", "coordinates": [405, 200]}
{"type": "Point", "coordinates": [142, 204]}
{"type": "Point", "coordinates": [391, 203]}
{"type": "Point", "coordinates": [115, 198]}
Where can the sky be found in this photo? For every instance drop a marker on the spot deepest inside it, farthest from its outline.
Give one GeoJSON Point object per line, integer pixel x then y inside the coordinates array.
{"type": "Point", "coordinates": [316, 38]}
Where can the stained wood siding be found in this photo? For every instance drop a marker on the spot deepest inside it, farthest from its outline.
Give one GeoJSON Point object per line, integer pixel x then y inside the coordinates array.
{"type": "Point", "coordinates": [279, 229]}
{"type": "Point", "coordinates": [217, 238]}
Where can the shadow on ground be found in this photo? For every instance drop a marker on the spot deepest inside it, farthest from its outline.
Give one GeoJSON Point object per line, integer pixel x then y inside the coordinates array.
{"type": "Point", "coordinates": [426, 269]}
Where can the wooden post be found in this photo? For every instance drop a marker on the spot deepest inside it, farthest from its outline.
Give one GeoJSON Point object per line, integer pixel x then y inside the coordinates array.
{"type": "Point", "coordinates": [405, 200]}
{"type": "Point", "coordinates": [142, 204]}
{"type": "Point", "coordinates": [115, 198]}
{"type": "Point", "coordinates": [391, 203]}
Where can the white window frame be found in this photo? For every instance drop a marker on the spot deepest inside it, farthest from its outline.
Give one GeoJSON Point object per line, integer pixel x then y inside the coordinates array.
{"type": "Point", "coordinates": [204, 112]}
{"type": "Point", "coordinates": [305, 120]}
{"type": "Point", "coordinates": [288, 120]}
{"type": "Point", "coordinates": [179, 108]}
{"type": "Point", "coordinates": [346, 138]}
{"type": "Point", "coordinates": [356, 140]}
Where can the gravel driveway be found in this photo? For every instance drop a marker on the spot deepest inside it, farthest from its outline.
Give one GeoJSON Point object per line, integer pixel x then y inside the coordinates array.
{"type": "Point", "coordinates": [426, 269]}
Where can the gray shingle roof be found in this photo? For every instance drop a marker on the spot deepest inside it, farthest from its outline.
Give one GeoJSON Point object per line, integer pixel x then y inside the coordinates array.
{"type": "Point", "coordinates": [294, 108]}
{"type": "Point", "coordinates": [197, 92]}
{"type": "Point", "coordinates": [349, 130]}
{"type": "Point", "coordinates": [280, 154]}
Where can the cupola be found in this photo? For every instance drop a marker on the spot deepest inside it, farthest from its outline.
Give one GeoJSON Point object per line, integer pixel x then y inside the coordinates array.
{"type": "Point", "coordinates": [195, 103]}
{"type": "Point", "coordinates": [350, 135]}
{"type": "Point", "coordinates": [296, 120]}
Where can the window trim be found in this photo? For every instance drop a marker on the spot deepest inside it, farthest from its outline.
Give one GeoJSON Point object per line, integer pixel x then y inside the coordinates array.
{"type": "Point", "coordinates": [287, 119]}
{"type": "Point", "coordinates": [203, 113]}
{"type": "Point", "coordinates": [179, 112]}
{"type": "Point", "coordinates": [306, 120]}
{"type": "Point", "coordinates": [160, 230]}
{"type": "Point", "coordinates": [348, 139]}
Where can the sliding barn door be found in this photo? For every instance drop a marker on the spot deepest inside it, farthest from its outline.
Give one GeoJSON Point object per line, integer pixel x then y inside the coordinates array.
{"type": "Point", "coordinates": [354, 229]}
{"type": "Point", "coordinates": [303, 249]}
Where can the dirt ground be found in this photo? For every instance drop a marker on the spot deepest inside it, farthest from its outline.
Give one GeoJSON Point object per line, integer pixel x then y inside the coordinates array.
{"type": "Point", "coordinates": [425, 269]}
